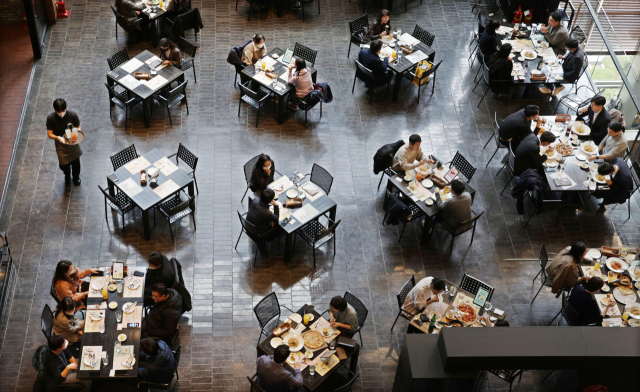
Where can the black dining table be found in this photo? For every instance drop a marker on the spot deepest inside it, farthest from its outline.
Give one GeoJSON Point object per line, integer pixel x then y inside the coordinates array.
{"type": "Point", "coordinates": [156, 20]}
{"type": "Point", "coordinates": [170, 73]}
{"type": "Point", "coordinates": [148, 198]}
{"type": "Point", "coordinates": [280, 94]}
{"type": "Point", "coordinates": [404, 65]}
{"type": "Point", "coordinates": [108, 338]}
{"type": "Point", "coordinates": [311, 383]}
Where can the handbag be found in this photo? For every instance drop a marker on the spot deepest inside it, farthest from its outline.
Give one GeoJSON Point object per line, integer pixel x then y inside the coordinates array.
{"type": "Point", "coordinates": [421, 69]}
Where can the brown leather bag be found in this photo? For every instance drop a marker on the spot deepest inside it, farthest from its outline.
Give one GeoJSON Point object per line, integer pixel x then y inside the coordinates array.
{"type": "Point", "coordinates": [293, 203]}
{"type": "Point", "coordinates": [438, 181]}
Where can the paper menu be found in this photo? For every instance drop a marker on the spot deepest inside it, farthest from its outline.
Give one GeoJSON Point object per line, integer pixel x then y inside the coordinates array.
{"type": "Point", "coordinates": [166, 189]}
{"type": "Point", "coordinates": [409, 39]}
{"type": "Point", "coordinates": [136, 165]}
{"type": "Point", "coordinates": [152, 59]}
{"type": "Point", "coordinates": [131, 65]}
{"type": "Point", "coordinates": [156, 82]}
{"type": "Point", "coordinates": [129, 82]}
{"type": "Point", "coordinates": [118, 270]}
{"type": "Point", "coordinates": [129, 187]}
{"type": "Point", "coordinates": [166, 166]}
{"type": "Point", "coordinates": [322, 368]}
{"type": "Point", "coordinates": [263, 78]}
{"type": "Point", "coordinates": [305, 213]}
{"type": "Point", "coordinates": [416, 56]}
{"type": "Point", "coordinates": [268, 60]}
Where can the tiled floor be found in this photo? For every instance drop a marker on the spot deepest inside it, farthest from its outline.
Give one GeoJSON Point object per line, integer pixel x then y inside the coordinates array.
{"type": "Point", "coordinates": [48, 221]}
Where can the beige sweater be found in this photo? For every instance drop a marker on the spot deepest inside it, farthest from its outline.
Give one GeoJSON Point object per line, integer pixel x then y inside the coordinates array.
{"type": "Point", "coordinates": [252, 54]}
{"type": "Point", "coordinates": [68, 328]}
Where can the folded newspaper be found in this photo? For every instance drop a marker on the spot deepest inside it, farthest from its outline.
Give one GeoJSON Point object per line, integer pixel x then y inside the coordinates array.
{"type": "Point", "coordinates": [311, 188]}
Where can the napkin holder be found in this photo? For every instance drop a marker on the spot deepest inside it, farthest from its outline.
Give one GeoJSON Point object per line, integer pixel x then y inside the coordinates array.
{"type": "Point", "coordinates": [153, 174]}
{"type": "Point", "coordinates": [439, 181]}
{"type": "Point", "coordinates": [142, 75]}
{"type": "Point", "coordinates": [293, 203]}
{"type": "Point", "coordinates": [563, 117]}
{"type": "Point", "coordinates": [610, 252]}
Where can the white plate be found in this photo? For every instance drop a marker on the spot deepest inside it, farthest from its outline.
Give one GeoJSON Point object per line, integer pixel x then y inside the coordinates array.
{"type": "Point", "coordinates": [581, 126]}
{"type": "Point", "coordinates": [520, 58]}
{"type": "Point", "coordinates": [297, 358]}
{"type": "Point", "coordinates": [96, 316]}
{"type": "Point", "coordinates": [276, 342]}
{"type": "Point", "coordinates": [606, 300]}
{"type": "Point", "coordinates": [97, 285]}
{"type": "Point", "coordinates": [594, 253]}
{"type": "Point", "coordinates": [275, 55]}
{"type": "Point", "coordinates": [631, 305]}
{"type": "Point", "coordinates": [300, 342]}
{"type": "Point", "coordinates": [87, 361]}
{"type": "Point", "coordinates": [622, 262]}
{"type": "Point", "coordinates": [625, 299]}
{"type": "Point", "coordinates": [132, 362]}
{"type": "Point", "coordinates": [122, 337]}
{"type": "Point", "coordinates": [112, 287]}
{"type": "Point", "coordinates": [296, 317]}
{"type": "Point", "coordinates": [581, 157]}
{"type": "Point", "coordinates": [308, 354]}
{"type": "Point", "coordinates": [329, 332]}
{"type": "Point", "coordinates": [291, 193]}
{"type": "Point", "coordinates": [598, 181]}
{"type": "Point", "coordinates": [113, 305]}
{"type": "Point", "coordinates": [605, 288]}
{"type": "Point", "coordinates": [134, 285]}
{"type": "Point", "coordinates": [529, 52]}
{"type": "Point", "coordinates": [427, 183]}
{"type": "Point", "coordinates": [544, 45]}
{"type": "Point", "coordinates": [595, 149]}
{"type": "Point", "coordinates": [128, 306]}
{"type": "Point", "coordinates": [555, 154]}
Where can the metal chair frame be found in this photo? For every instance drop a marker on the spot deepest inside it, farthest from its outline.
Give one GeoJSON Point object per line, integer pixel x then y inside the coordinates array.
{"type": "Point", "coordinates": [543, 258]}
{"type": "Point", "coordinates": [46, 321]}
{"type": "Point", "coordinates": [575, 99]}
{"type": "Point", "coordinates": [471, 284]}
{"type": "Point", "coordinates": [174, 209]}
{"type": "Point", "coordinates": [302, 2]}
{"type": "Point", "coordinates": [635, 176]}
{"type": "Point", "coordinates": [189, 158]}
{"type": "Point", "coordinates": [120, 57]}
{"type": "Point", "coordinates": [305, 53]}
{"type": "Point", "coordinates": [124, 23]}
{"type": "Point", "coordinates": [190, 49]}
{"type": "Point", "coordinates": [463, 165]}
{"type": "Point", "coordinates": [473, 221]}
{"type": "Point", "coordinates": [488, 81]}
{"type": "Point", "coordinates": [121, 203]}
{"type": "Point", "coordinates": [414, 214]}
{"type": "Point", "coordinates": [360, 309]}
{"type": "Point", "coordinates": [357, 27]}
{"type": "Point", "coordinates": [252, 232]}
{"type": "Point", "coordinates": [53, 292]}
{"type": "Point", "coordinates": [264, 323]}
{"type": "Point", "coordinates": [496, 138]}
{"type": "Point", "coordinates": [510, 164]}
{"type": "Point", "coordinates": [389, 172]}
{"type": "Point", "coordinates": [256, 99]}
{"type": "Point", "coordinates": [401, 297]}
{"type": "Point", "coordinates": [369, 73]}
{"type": "Point", "coordinates": [248, 169]}
{"type": "Point", "coordinates": [574, 84]}
{"type": "Point", "coordinates": [124, 156]}
{"type": "Point", "coordinates": [171, 97]}
{"type": "Point", "coordinates": [321, 177]}
{"type": "Point", "coordinates": [430, 75]}
{"type": "Point", "coordinates": [125, 100]}
{"type": "Point", "coordinates": [423, 35]}
{"type": "Point", "coordinates": [506, 375]}
{"type": "Point", "coordinates": [316, 234]}
{"type": "Point", "coordinates": [254, 384]}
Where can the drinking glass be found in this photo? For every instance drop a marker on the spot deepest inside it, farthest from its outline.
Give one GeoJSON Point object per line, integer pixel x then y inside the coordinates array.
{"type": "Point", "coordinates": [129, 272]}
{"type": "Point", "coordinates": [487, 306]}
{"type": "Point", "coordinates": [105, 358]}
{"type": "Point", "coordinates": [105, 293]}
{"type": "Point", "coordinates": [610, 275]}
{"type": "Point", "coordinates": [399, 32]}
{"type": "Point", "coordinates": [119, 287]}
{"type": "Point", "coordinates": [102, 328]}
{"type": "Point", "coordinates": [312, 370]}
{"type": "Point", "coordinates": [332, 344]}
{"type": "Point", "coordinates": [119, 316]}
{"type": "Point", "coordinates": [118, 346]}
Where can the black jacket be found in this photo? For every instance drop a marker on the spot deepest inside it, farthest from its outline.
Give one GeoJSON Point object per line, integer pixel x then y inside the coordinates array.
{"type": "Point", "coordinates": [187, 21]}
{"type": "Point", "coordinates": [258, 183]}
{"type": "Point", "coordinates": [321, 93]}
{"type": "Point", "coordinates": [621, 184]}
{"type": "Point", "coordinates": [54, 364]}
{"type": "Point", "coordinates": [162, 321]}
{"type": "Point", "coordinates": [488, 43]}
{"type": "Point", "coordinates": [500, 70]}
{"type": "Point", "coordinates": [599, 127]}
{"type": "Point", "coordinates": [235, 54]}
{"type": "Point", "coordinates": [572, 64]}
{"type": "Point", "coordinates": [530, 181]}
{"type": "Point", "coordinates": [528, 155]}
{"type": "Point", "coordinates": [260, 216]}
{"type": "Point", "coordinates": [395, 209]}
{"type": "Point", "coordinates": [371, 61]}
{"type": "Point", "coordinates": [376, 29]}
{"type": "Point", "coordinates": [384, 156]}
{"type": "Point", "coordinates": [165, 275]}
{"type": "Point", "coordinates": [516, 127]}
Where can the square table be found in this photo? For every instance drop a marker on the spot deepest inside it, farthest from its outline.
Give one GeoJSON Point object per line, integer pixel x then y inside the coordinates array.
{"type": "Point", "coordinates": [169, 73]}
{"type": "Point", "coordinates": [108, 338]}
{"type": "Point", "coordinates": [404, 65]}
{"type": "Point", "coordinates": [322, 204]}
{"type": "Point", "coordinates": [157, 20]}
{"type": "Point", "coordinates": [311, 383]}
{"type": "Point", "coordinates": [281, 95]}
{"type": "Point", "coordinates": [148, 198]}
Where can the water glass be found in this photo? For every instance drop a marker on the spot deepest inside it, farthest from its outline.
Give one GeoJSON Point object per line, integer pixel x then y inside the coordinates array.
{"type": "Point", "coordinates": [312, 370]}
{"type": "Point", "coordinates": [119, 316]}
{"type": "Point", "coordinates": [332, 344]}
{"type": "Point", "coordinates": [118, 346]}
{"type": "Point", "coordinates": [102, 328]}
{"type": "Point", "coordinates": [399, 32]}
{"type": "Point", "coordinates": [487, 306]}
{"type": "Point", "coordinates": [119, 287]}
{"type": "Point", "coordinates": [105, 358]}
{"type": "Point", "coordinates": [129, 272]}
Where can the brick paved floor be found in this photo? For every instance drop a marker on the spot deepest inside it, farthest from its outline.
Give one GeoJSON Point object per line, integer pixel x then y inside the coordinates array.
{"type": "Point", "coordinates": [48, 221]}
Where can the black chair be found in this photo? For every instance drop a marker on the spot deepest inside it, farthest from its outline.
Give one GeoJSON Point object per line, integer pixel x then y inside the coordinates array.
{"type": "Point", "coordinates": [575, 102]}
{"type": "Point", "coordinates": [251, 4]}
{"type": "Point", "coordinates": [338, 382]}
{"type": "Point", "coordinates": [53, 292]}
{"type": "Point", "coordinates": [389, 172]}
{"type": "Point", "coordinates": [267, 312]}
{"type": "Point", "coordinates": [305, 53]}
{"type": "Point", "coordinates": [546, 280]}
{"type": "Point", "coordinates": [427, 77]}
{"type": "Point", "coordinates": [463, 165]}
{"type": "Point", "coordinates": [175, 209]}
{"type": "Point", "coordinates": [369, 73]}
{"type": "Point", "coordinates": [459, 230]}
{"type": "Point", "coordinates": [510, 164]}
{"type": "Point", "coordinates": [401, 296]}
{"type": "Point", "coordinates": [145, 385]}
{"type": "Point", "coordinates": [360, 309]}
{"type": "Point", "coordinates": [496, 138]}
{"type": "Point", "coordinates": [500, 84]}
{"type": "Point", "coordinates": [171, 97]}
{"type": "Point", "coordinates": [252, 232]}
{"type": "Point", "coordinates": [124, 156]}
{"type": "Point", "coordinates": [423, 35]}
{"type": "Point", "coordinates": [248, 169]}
{"type": "Point", "coordinates": [507, 375]}
{"type": "Point", "coordinates": [46, 321]}
{"type": "Point", "coordinates": [119, 58]}
{"type": "Point", "coordinates": [125, 100]}
{"type": "Point", "coordinates": [306, 105]}
{"type": "Point", "coordinates": [357, 28]}
{"type": "Point", "coordinates": [257, 99]}
{"type": "Point", "coordinates": [188, 56]}
{"type": "Point", "coordinates": [302, 3]}
{"type": "Point", "coordinates": [635, 176]}
{"type": "Point", "coordinates": [189, 158]}
{"type": "Point", "coordinates": [574, 84]}
{"type": "Point", "coordinates": [127, 26]}
{"type": "Point", "coordinates": [578, 34]}
{"type": "Point", "coordinates": [121, 203]}
{"type": "Point", "coordinates": [316, 234]}
{"type": "Point", "coordinates": [414, 214]}
{"type": "Point", "coordinates": [545, 200]}
{"type": "Point", "coordinates": [254, 384]}
{"type": "Point", "coordinates": [321, 178]}
{"type": "Point", "coordinates": [471, 284]}
{"type": "Point", "coordinates": [187, 21]}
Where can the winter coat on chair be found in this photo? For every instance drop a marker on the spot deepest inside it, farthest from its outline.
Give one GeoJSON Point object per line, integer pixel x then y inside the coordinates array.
{"type": "Point", "coordinates": [395, 209]}
{"type": "Point", "coordinates": [530, 181]}
{"type": "Point", "coordinates": [384, 156]}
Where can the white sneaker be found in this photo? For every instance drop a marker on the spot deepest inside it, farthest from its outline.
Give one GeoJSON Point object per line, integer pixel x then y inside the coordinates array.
{"type": "Point", "coordinates": [557, 90]}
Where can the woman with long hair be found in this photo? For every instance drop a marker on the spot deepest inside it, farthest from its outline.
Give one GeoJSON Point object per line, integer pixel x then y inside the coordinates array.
{"type": "Point", "coordinates": [262, 174]}
{"type": "Point", "coordinates": [500, 67]}
{"type": "Point", "coordinates": [67, 281]}
{"type": "Point", "coordinates": [380, 27]}
{"type": "Point", "coordinates": [563, 269]}
{"type": "Point", "coordinates": [170, 53]}
{"type": "Point", "coordinates": [65, 322]}
{"type": "Point", "coordinates": [301, 78]}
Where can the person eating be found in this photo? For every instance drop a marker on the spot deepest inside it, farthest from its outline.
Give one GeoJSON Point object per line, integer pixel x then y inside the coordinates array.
{"type": "Point", "coordinates": [620, 182]}
{"type": "Point", "coordinates": [614, 145]}
{"type": "Point", "coordinates": [67, 281]}
{"type": "Point", "coordinates": [422, 294]}
{"type": "Point", "coordinates": [571, 67]}
{"type": "Point", "coordinates": [380, 26]}
{"type": "Point", "coordinates": [65, 322]}
{"type": "Point", "coordinates": [157, 363]}
{"type": "Point", "coordinates": [517, 126]}
{"type": "Point", "coordinates": [370, 59]}
{"type": "Point", "coordinates": [563, 269]}
{"type": "Point", "coordinates": [160, 270]}
{"type": "Point", "coordinates": [262, 173]}
{"type": "Point", "coordinates": [583, 302]}
{"type": "Point", "coordinates": [254, 50]}
{"type": "Point", "coordinates": [409, 156]}
{"type": "Point", "coordinates": [60, 365]}
{"type": "Point", "coordinates": [596, 117]}
{"type": "Point", "coordinates": [272, 376]}
{"type": "Point", "coordinates": [343, 316]}
{"type": "Point", "coordinates": [556, 34]}
{"type": "Point", "coordinates": [456, 209]}
{"type": "Point", "coordinates": [488, 42]}
{"type": "Point", "coordinates": [528, 156]}
{"type": "Point", "coordinates": [162, 320]}
{"type": "Point", "coordinates": [261, 216]}
{"type": "Point", "coordinates": [500, 67]}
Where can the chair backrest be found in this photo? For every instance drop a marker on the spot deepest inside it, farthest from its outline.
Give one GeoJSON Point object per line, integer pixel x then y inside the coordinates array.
{"type": "Point", "coordinates": [246, 90]}
{"type": "Point", "coordinates": [123, 157]}
{"type": "Point", "coordinates": [496, 130]}
{"type": "Point", "coordinates": [359, 307]}
{"type": "Point", "coordinates": [187, 156]}
{"type": "Point", "coordinates": [571, 315]}
{"type": "Point", "coordinates": [635, 175]}
{"type": "Point", "coordinates": [423, 35]}
{"type": "Point", "coordinates": [187, 47]}
{"type": "Point", "coordinates": [321, 178]}
{"type": "Point", "coordinates": [248, 167]}
{"type": "Point", "coordinates": [53, 292]}
{"type": "Point", "coordinates": [347, 387]}
{"type": "Point", "coordinates": [120, 19]}
{"type": "Point", "coordinates": [173, 211]}
{"type": "Point", "coordinates": [118, 95]}
{"type": "Point", "coordinates": [364, 69]}
{"type": "Point", "coordinates": [254, 385]}
{"type": "Point", "coordinates": [359, 24]}
{"type": "Point", "coordinates": [461, 163]}
{"type": "Point", "coordinates": [267, 309]}
{"type": "Point", "coordinates": [471, 284]}
{"type": "Point", "coordinates": [46, 321]}
{"type": "Point", "coordinates": [468, 224]}
{"type": "Point", "coordinates": [329, 231]}
{"type": "Point", "coordinates": [305, 53]}
{"type": "Point", "coordinates": [544, 259]}
{"type": "Point", "coordinates": [39, 358]}
{"type": "Point", "coordinates": [249, 227]}
{"type": "Point", "coordinates": [578, 34]}
{"type": "Point", "coordinates": [180, 89]}
{"type": "Point", "coordinates": [512, 158]}
{"type": "Point", "coordinates": [176, 356]}
{"type": "Point", "coordinates": [585, 65]}
{"type": "Point", "coordinates": [404, 291]}
{"type": "Point", "coordinates": [120, 57]}
{"type": "Point", "coordinates": [112, 199]}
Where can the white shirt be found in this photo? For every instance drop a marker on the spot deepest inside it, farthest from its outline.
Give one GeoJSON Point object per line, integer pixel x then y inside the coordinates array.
{"type": "Point", "coordinates": [419, 295]}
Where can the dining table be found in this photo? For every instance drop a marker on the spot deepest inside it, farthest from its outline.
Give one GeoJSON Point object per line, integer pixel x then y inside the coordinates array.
{"type": "Point", "coordinates": [279, 88]}
{"type": "Point", "coordinates": [422, 194]}
{"type": "Point", "coordinates": [313, 207]}
{"type": "Point", "coordinates": [322, 371]}
{"type": "Point", "coordinates": [124, 76]}
{"type": "Point", "coordinates": [171, 180]}
{"type": "Point", "coordinates": [155, 14]}
{"type": "Point", "coordinates": [95, 344]}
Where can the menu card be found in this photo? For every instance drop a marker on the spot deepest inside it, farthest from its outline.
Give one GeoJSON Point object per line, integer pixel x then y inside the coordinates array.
{"type": "Point", "coordinates": [322, 368]}
{"type": "Point", "coordinates": [137, 164]}
{"type": "Point", "coordinates": [129, 82]}
{"type": "Point", "coordinates": [118, 270]}
{"type": "Point", "coordinates": [133, 317]}
{"type": "Point", "coordinates": [305, 213]}
{"type": "Point", "coordinates": [263, 78]}
{"type": "Point", "coordinates": [283, 181]}
{"type": "Point", "coordinates": [91, 354]}
{"type": "Point", "coordinates": [122, 356]}
{"type": "Point", "coordinates": [166, 166]}
{"type": "Point", "coordinates": [94, 326]}
{"type": "Point", "coordinates": [166, 189]}
{"type": "Point", "coordinates": [416, 56]}
{"type": "Point", "coordinates": [131, 65]}
{"type": "Point", "coordinates": [156, 82]}
{"type": "Point", "coordinates": [409, 39]}
{"type": "Point", "coordinates": [136, 293]}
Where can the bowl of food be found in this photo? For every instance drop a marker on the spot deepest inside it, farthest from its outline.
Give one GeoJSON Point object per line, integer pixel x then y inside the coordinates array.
{"type": "Point", "coordinates": [529, 54]}
{"type": "Point", "coordinates": [449, 314]}
{"type": "Point", "coordinates": [113, 305]}
{"type": "Point", "coordinates": [408, 178]}
{"type": "Point", "coordinates": [308, 354]}
{"type": "Point", "coordinates": [294, 341]}
{"type": "Point", "coordinates": [584, 166]}
{"type": "Point", "coordinates": [624, 280]}
{"type": "Point", "coordinates": [600, 179]}
{"type": "Point", "coordinates": [589, 148]}
{"type": "Point", "coordinates": [429, 202]}
{"type": "Point", "coordinates": [112, 287]}
{"type": "Point", "coordinates": [520, 58]}
{"type": "Point", "coordinates": [605, 288]}
{"type": "Point", "coordinates": [581, 129]}
{"type": "Point", "coordinates": [122, 337]}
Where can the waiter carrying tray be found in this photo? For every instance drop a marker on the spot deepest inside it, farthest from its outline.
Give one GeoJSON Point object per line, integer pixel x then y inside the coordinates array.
{"type": "Point", "coordinates": [68, 155]}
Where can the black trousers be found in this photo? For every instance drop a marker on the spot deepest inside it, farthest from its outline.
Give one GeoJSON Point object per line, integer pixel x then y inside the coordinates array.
{"type": "Point", "coordinates": [73, 167]}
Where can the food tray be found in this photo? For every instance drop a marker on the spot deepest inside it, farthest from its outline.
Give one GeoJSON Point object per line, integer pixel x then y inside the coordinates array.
{"type": "Point", "coordinates": [609, 252]}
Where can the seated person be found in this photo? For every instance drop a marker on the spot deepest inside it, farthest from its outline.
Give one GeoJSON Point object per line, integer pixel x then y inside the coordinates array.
{"type": "Point", "coordinates": [170, 53]}
{"type": "Point", "coordinates": [527, 155]}
{"type": "Point", "coordinates": [583, 302]}
{"type": "Point", "coordinates": [254, 50]}
{"type": "Point", "coordinates": [620, 184]}
{"type": "Point", "coordinates": [130, 9]}
{"type": "Point", "coordinates": [370, 59]}
{"type": "Point", "coordinates": [273, 376]}
{"type": "Point", "coordinates": [157, 364]}
{"type": "Point", "coordinates": [67, 282]}
{"type": "Point", "coordinates": [518, 125]}
{"type": "Point", "coordinates": [261, 216]}
{"type": "Point", "coordinates": [160, 271]}
{"type": "Point", "coordinates": [488, 42]}
{"type": "Point", "coordinates": [59, 363]}
{"type": "Point", "coordinates": [500, 67]}
{"type": "Point", "coordinates": [176, 7]}
{"type": "Point", "coordinates": [556, 34]}
{"type": "Point", "coordinates": [422, 294]}
{"type": "Point", "coordinates": [614, 145]}
{"type": "Point", "coordinates": [409, 156]}
{"type": "Point", "coordinates": [571, 67]}
{"type": "Point", "coordinates": [262, 173]}
{"type": "Point", "coordinates": [596, 117]}
{"type": "Point", "coordinates": [301, 78]}
{"type": "Point", "coordinates": [455, 209]}
{"type": "Point", "coordinates": [65, 322]}
{"type": "Point", "coordinates": [379, 27]}
{"type": "Point", "coordinates": [162, 320]}
{"type": "Point", "coordinates": [343, 316]}
{"type": "Point", "coordinates": [563, 269]}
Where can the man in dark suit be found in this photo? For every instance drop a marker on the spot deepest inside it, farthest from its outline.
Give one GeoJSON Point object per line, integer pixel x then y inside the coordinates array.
{"type": "Point", "coordinates": [597, 118]}
{"type": "Point", "coordinates": [518, 125]}
{"type": "Point", "coordinates": [571, 67]}
{"type": "Point", "coordinates": [370, 59]}
{"type": "Point", "coordinates": [528, 152]}
{"type": "Point", "coordinates": [620, 184]}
